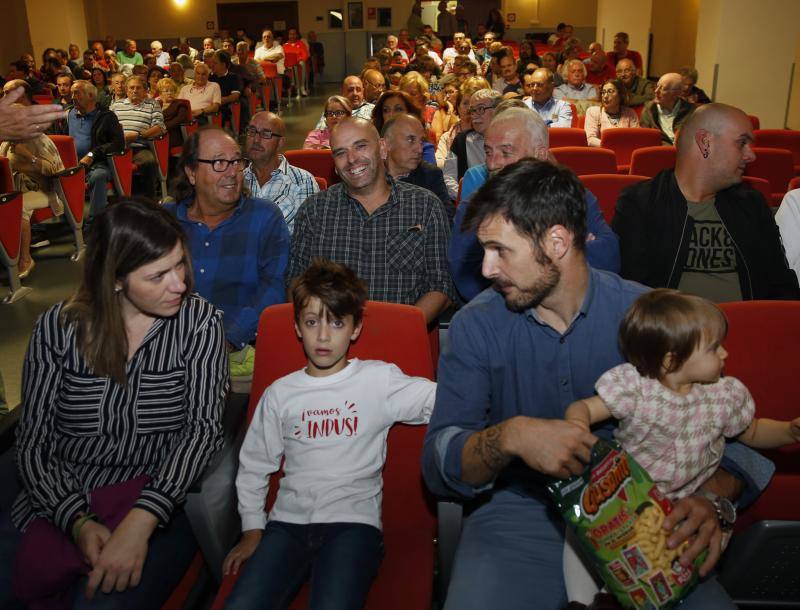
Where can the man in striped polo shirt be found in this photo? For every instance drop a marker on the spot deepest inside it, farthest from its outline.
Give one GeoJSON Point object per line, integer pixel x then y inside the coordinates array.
{"type": "Point", "coordinates": [141, 118]}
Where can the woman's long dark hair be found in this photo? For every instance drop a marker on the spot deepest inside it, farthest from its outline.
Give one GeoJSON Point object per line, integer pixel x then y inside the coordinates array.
{"type": "Point", "coordinates": [410, 103]}
{"type": "Point", "coordinates": [124, 236]}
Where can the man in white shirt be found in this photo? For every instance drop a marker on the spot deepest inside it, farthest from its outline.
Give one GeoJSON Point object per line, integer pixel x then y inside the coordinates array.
{"type": "Point", "coordinates": [204, 97]}
{"type": "Point", "coordinates": [270, 51]}
{"type": "Point", "coordinates": [391, 44]}
{"type": "Point", "coordinates": [667, 112]}
{"type": "Point", "coordinates": [450, 53]}
{"type": "Point", "coordinates": [353, 90]}
{"type": "Point", "coordinates": [157, 51]}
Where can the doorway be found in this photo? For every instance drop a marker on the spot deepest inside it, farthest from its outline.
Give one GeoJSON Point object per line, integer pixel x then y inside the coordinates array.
{"type": "Point", "coordinates": [256, 16]}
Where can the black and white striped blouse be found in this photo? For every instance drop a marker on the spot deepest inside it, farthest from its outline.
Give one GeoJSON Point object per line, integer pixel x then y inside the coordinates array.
{"type": "Point", "coordinates": [79, 432]}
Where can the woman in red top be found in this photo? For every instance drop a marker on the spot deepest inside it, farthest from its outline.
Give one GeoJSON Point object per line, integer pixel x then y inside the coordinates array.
{"type": "Point", "coordinates": [294, 44]}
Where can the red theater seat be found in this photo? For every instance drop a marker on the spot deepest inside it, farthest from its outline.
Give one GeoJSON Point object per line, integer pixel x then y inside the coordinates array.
{"type": "Point", "coordinates": [774, 165]}
{"type": "Point", "coordinates": [607, 187]}
{"type": "Point", "coordinates": [624, 140]}
{"type": "Point", "coordinates": [317, 162]}
{"type": "Point", "coordinates": [761, 185]}
{"type": "Point", "coordinates": [71, 188]}
{"type": "Point", "coordinates": [567, 136]}
{"type": "Point", "coordinates": [585, 160]}
{"type": "Point", "coordinates": [788, 139]}
{"type": "Point", "coordinates": [651, 160]}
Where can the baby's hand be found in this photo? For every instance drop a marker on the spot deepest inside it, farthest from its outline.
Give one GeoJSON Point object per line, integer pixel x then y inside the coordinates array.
{"type": "Point", "coordinates": [241, 552]}
{"type": "Point", "coordinates": [581, 423]}
{"type": "Point", "coordinates": [794, 428]}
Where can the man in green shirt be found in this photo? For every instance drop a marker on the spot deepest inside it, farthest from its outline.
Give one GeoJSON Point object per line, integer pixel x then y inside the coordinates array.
{"type": "Point", "coordinates": [129, 55]}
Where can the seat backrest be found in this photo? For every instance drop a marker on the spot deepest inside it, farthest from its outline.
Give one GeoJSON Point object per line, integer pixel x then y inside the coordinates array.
{"type": "Point", "coordinates": [10, 217]}
{"type": "Point", "coordinates": [775, 165]}
{"type": "Point", "coordinates": [624, 140]}
{"type": "Point", "coordinates": [270, 69]}
{"type": "Point", "coordinates": [6, 177]}
{"type": "Point", "coordinates": [393, 333]}
{"type": "Point", "coordinates": [794, 183]}
{"type": "Point", "coordinates": [755, 121]}
{"type": "Point", "coordinates": [317, 162]}
{"type": "Point", "coordinates": [321, 182]}
{"type": "Point", "coordinates": [788, 139]}
{"type": "Point", "coordinates": [291, 58]}
{"type": "Point", "coordinates": [762, 344]}
{"type": "Point", "coordinates": [761, 185]}
{"type": "Point", "coordinates": [607, 187]}
{"type": "Point", "coordinates": [650, 160]}
{"type": "Point", "coordinates": [567, 136]}
{"type": "Point", "coordinates": [574, 115]}
{"type": "Point", "coordinates": [585, 160]}
{"type": "Point", "coordinates": [66, 150]}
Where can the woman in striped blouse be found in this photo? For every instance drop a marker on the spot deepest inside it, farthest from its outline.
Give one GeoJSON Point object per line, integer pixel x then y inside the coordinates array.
{"type": "Point", "coordinates": [123, 390]}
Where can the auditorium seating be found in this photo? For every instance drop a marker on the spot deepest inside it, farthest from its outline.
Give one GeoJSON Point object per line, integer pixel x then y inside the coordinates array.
{"type": "Point", "coordinates": [121, 167]}
{"type": "Point", "coordinates": [607, 187]}
{"type": "Point", "coordinates": [71, 188]}
{"type": "Point", "coordinates": [317, 162]}
{"type": "Point", "coordinates": [774, 165]}
{"type": "Point", "coordinates": [160, 149]}
{"type": "Point", "coordinates": [650, 160]}
{"type": "Point", "coordinates": [567, 136]}
{"type": "Point", "coordinates": [787, 139]}
{"type": "Point", "coordinates": [10, 233]}
{"type": "Point", "coordinates": [394, 333]}
{"type": "Point", "coordinates": [586, 160]}
{"type": "Point", "coordinates": [624, 140]}
{"type": "Point", "coordinates": [761, 185]}
{"type": "Point", "coordinates": [274, 81]}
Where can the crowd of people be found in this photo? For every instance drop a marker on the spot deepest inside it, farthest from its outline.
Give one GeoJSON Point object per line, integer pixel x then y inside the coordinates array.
{"type": "Point", "coordinates": [449, 199]}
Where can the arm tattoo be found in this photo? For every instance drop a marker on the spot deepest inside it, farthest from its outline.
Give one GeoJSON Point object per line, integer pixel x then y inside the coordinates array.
{"type": "Point", "coordinates": [487, 448]}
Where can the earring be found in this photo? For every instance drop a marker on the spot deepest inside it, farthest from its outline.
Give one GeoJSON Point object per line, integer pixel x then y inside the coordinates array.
{"type": "Point", "coordinates": [118, 289]}
{"type": "Point", "coordinates": [705, 154]}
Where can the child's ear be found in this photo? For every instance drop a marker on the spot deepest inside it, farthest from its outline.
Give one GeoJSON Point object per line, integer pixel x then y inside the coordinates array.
{"type": "Point", "coordinates": [666, 363]}
{"type": "Point", "coordinates": [357, 331]}
{"type": "Point", "coordinates": [297, 330]}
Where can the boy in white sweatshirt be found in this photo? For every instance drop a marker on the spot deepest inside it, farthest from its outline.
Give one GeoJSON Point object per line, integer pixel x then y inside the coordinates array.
{"type": "Point", "coordinates": [330, 420]}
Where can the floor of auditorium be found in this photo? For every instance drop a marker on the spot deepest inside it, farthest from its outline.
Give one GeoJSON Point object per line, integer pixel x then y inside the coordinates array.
{"type": "Point", "coordinates": [55, 276]}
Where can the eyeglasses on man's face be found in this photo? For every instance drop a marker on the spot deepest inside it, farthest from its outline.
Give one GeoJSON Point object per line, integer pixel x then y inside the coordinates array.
{"type": "Point", "coordinates": [264, 134]}
{"type": "Point", "coordinates": [221, 165]}
{"type": "Point", "coordinates": [479, 110]}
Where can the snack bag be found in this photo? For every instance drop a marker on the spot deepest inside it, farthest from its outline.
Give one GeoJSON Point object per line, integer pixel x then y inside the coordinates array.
{"type": "Point", "coordinates": [616, 512]}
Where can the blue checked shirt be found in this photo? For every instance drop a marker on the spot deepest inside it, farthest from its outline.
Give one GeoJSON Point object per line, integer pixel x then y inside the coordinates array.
{"type": "Point", "coordinates": [239, 265]}
{"type": "Point", "coordinates": [288, 187]}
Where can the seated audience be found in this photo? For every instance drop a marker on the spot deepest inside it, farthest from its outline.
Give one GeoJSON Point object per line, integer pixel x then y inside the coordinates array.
{"type": "Point", "coordinates": [239, 244]}
{"type": "Point", "coordinates": [467, 148]}
{"type": "Point", "coordinates": [392, 45]}
{"type": "Point", "coordinates": [242, 58]}
{"type": "Point", "coordinates": [576, 89]}
{"type": "Point", "coordinates": [186, 49]}
{"type": "Point", "coordinates": [230, 86]}
{"type": "Point", "coordinates": [336, 109]}
{"type": "Point", "coordinates": [269, 175]}
{"type": "Point", "coordinates": [435, 42]}
{"type": "Point", "coordinates": [154, 75]}
{"type": "Point", "coordinates": [270, 50]}
{"type": "Point", "coordinates": [621, 51]}
{"type": "Point", "coordinates": [696, 228]}
{"type": "Point", "coordinates": [690, 91]}
{"type": "Point", "coordinates": [353, 90]}
{"type": "Point", "coordinates": [554, 113]}
{"type": "Point", "coordinates": [403, 136]}
{"type": "Point", "coordinates": [122, 404]}
{"type": "Point", "coordinates": [399, 268]}
{"type": "Point", "coordinates": [162, 56]}
{"type": "Point", "coordinates": [513, 134]}
{"type": "Point", "coordinates": [64, 90]}
{"type": "Point", "coordinates": [392, 103]}
{"type": "Point", "coordinates": [613, 112]}
{"type": "Point", "coordinates": [550, 62]}
{"type": "Point", "coordinates": [118, 89]}
{"type": "Point", "coordinates": [178, 75]}
{"type": "Point", "coordinates": [667, 112]}
{"type": "Point", "coordinates": [463, 67]}
{"type": "Point", "coordinates": [100, 81]}
{"type": "Point", "coordinates": [141, 118]}
{"type": "Point", "coordinates": [788, 221]}
{"type": "Point", "coordinates": [345, 468]}
{"type": "Point", "coordinates": [175, 115]}
{"type": "Point", "coordinates": [598, 68]}
{"type": "Point", "coordinates": [527, 55]}
{"type": "Point", "coordinates": [111, 61]}
{"type": "Point", "coordinates": [36, 160]}
{"type": "Point", "coordinates": [450, 53]}
{"type": "Point", "coordinates": [188, 69]}
{"type": "Point", "coordinates": [205, 97]}
{"type": "Point", "coordinates": [374, 84]}
{"type": "Point", "coordinates": [294, 43]}
{"type": "Point", "coordinates": [509, 81]}
{"type": "Point", "coordinates": [640, 90]}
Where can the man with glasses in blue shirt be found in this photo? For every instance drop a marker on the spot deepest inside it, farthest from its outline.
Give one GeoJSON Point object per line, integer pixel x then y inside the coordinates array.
{"type": "Point", "coordinates": [239, 245]}
{"type": "Point", "coordinates": [269, 175]}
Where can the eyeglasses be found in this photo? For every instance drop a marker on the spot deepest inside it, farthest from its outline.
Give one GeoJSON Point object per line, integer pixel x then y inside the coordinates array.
{"type": "Point", "coordinates": [378, 86]}
{"type": "Point", "coordinates": [222, 165]}
{"type": "Point", "coordinates": [479, 110]}
{"type": "Point", "coordinates": [335, 114]}
{"type": "Point", "coordinates": [626, 71]}
{"type": "Point", "coordinates": [264, 134]}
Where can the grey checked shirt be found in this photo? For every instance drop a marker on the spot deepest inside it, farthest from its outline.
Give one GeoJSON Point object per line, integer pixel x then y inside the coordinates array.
{"type": "Point", "coordinates": [288, 187]}
{"type": "Point", "coordinates": [400, 250]}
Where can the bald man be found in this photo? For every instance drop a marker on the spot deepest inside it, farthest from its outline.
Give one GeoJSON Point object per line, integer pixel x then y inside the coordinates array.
{"type": "Point", "coordinates": [353, 90]}
{"type": "Point", "coordinates": [697, 228]}
{"type": "Point", "coordinates": [374, 84]}
{"type": "Point", "coordinates": [269, 175]}
{"type": "Point", "coordinates": [668, 111]}
{"type": "Point", "coordinates": [392, 234]}
{"type": "Point", "coordinates": [403, 136]}
{"type": "Point", "coordinates": [640, 90]}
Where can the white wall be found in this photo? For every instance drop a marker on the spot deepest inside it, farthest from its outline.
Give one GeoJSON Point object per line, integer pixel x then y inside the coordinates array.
{"type": "Point", "coordinates": [625, 16]}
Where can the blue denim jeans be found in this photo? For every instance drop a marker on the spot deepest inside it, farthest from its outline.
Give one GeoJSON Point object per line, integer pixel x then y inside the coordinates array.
{"type": "Point", "coordinates": [97, 177]}
{"type": "Point", "coordinates": [340, 560]}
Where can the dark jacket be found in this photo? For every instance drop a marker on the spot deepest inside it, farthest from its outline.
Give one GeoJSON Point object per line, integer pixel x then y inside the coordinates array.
{"type": "Point", "coordinates": [654, 227]}
{"type": "Point", "coordinates": [459, 149]}
{"type": "Point", "coordinates": [641, 91]}
{"type": "Point", "coordinates": [430, 177]}
{"type": "Point", "coordinates": [649, 118]}
{"type": "Point", "coordinates": [107, 136]}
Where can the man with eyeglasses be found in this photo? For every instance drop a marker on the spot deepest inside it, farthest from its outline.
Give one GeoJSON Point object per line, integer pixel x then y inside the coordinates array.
{"type": "Point", "coordinates": [239, 245]}
{"type": "Point", "coordinates": [269, 175]}
{"type": "Point", "coordinates": [374, 85]}
{"type": "Point", "coordinates": [667, 112]}
{"type": "Point", "coordinates": [540, 84]}
{"type": "Point", "coordinates": [467, 148]}
{"type": "Point", "coordinates": [353, 90]}
{"type": "Point", "coordinates": [640, 90]}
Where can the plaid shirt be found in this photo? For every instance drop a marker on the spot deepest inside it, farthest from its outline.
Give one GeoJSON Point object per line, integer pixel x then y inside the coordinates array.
{"type": "Point", "coordinates": [400, 250]}
{"type": "Point", "coordinates": [239, 265]}
{"type": "Point", "coordinates": [288, 187]}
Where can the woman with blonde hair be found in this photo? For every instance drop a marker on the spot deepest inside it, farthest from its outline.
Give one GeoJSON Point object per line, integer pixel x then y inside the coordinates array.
{"type": "Point", "coordinates": [415, 85]}
{"type": "Point", "coordinates": [337, 108]}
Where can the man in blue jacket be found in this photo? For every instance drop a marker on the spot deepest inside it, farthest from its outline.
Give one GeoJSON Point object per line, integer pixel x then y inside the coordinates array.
{"type": "Point", "coordinates": [512, 135]}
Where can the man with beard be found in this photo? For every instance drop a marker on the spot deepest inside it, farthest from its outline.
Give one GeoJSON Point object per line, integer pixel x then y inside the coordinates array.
{"type": "Point", "coordinates": [516, 357]}
{"type": "Point", "coordinates": [392, 234]}
{"type": "Point", "coordinates": [512, 135]}
{"type": "Point", "coordinates": [269, 175]}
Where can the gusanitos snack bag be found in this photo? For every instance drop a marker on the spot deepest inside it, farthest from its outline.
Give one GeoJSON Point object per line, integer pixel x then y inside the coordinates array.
{"type": "Point", "coordinates": [616, 512]}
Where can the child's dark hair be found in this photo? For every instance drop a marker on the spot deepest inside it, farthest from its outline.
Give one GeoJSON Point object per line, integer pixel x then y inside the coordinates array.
{"type": "Point", "coordinates": [339, 289]}
{"type": "Point", "coordinates": [665, 321]}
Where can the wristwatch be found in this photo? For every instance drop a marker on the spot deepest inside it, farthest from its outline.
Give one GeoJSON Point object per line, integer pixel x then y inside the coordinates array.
{"type": "Point", "coordinates": [90, 154]}
{"type": "Point", "coordinates": [726, 511]}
